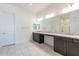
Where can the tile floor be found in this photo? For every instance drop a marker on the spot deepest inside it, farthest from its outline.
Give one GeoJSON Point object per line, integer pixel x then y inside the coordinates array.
{"type": "Point", "coordinates": [29, 48]}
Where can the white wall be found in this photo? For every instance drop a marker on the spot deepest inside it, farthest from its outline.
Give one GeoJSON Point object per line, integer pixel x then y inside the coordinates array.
{"type": "Point", "coordinates": [23, 22]}
{"type": "Point", "coordinates": [23, 26]}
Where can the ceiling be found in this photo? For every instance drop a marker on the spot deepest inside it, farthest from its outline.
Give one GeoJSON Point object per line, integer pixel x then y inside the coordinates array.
{"type": "Point", "coordinates": [37, 7]}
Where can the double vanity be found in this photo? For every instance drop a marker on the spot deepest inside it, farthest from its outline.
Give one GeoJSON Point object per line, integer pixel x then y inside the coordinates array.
{"type": "Point", "coordinates": [65, 44]}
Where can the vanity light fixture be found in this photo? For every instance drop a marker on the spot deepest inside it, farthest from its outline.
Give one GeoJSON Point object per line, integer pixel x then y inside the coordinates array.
{"type": "Point", "coordinates": [49, 16]}
{"type": "Point", "coordinates": [69, 8]}
{"type": "Point", "coordinates": [75, 6]}
{"type": "Point", "coordinates": [39, 19]}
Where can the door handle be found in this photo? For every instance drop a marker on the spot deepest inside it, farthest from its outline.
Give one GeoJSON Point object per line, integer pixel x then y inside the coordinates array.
{"type": "Point", "coordinates": [3, 33]}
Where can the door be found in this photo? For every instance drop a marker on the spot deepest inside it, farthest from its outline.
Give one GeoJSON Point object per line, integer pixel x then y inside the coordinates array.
{"type": "Point", "coordinates": [6, 29]}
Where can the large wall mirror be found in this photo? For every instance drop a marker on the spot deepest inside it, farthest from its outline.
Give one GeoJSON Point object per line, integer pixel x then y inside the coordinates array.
{"type": "Point", "coordinates": [65, 23]}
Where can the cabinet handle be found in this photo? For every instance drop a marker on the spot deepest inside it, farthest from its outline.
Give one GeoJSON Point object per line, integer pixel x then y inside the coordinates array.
{"type": "Point", "coordinates": [76, 41]}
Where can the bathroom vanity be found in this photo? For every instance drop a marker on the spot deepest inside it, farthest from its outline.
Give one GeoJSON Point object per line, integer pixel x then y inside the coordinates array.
{"type": "Point", "coordinates": [64, 44]}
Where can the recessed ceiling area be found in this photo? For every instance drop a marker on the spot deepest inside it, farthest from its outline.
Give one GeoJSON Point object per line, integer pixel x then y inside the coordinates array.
{"type": "Point", "coordinates": [38, 7]}
{"type": "Point", "coordinates": [34, 8]}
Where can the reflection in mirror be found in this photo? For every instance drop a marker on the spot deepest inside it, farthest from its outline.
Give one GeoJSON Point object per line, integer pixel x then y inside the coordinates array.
{"type": "Point", "coordinates": [36, 26]}
{"type": "Point", "coordinates": [65, 24]}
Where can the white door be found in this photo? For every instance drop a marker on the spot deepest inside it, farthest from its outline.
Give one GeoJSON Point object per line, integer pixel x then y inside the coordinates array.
{"type": "Point", "coordinates": [6, 29]}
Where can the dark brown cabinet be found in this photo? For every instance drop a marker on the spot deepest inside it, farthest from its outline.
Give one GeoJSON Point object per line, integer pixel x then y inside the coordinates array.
{"type": "Point", "coordinates": [66, 46]}
{"type": "Point", "coordinates": [73, 47]}
{"type": "Point", "coordinates": [63, 45]}
{"type": "Point", "coordinates": [38, 37]}
{"type": "Point", "coordinates": [60, 45]}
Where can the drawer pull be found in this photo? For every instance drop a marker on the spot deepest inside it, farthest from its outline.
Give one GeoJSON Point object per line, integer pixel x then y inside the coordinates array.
{"type": "Point", "coordinates": [76, 41]}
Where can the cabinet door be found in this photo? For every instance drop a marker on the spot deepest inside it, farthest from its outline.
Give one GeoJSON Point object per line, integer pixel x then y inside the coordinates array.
{"type": "Point", "coordinates": [60, 45]}
{"type": "Point", "coordinates": [73, 47]}
{"type": "Point", "coordinates": [36, 37]}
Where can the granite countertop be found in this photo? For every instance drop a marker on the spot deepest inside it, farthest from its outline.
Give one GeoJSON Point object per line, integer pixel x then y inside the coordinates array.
{"type": "Point", "coordinates": [73, 36]}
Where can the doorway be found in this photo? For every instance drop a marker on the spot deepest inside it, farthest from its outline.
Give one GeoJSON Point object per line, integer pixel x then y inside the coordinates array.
{"type": "Point", "coordinates": [7, 29]}
{"type": "Point", "coordinates": [65, 24]}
